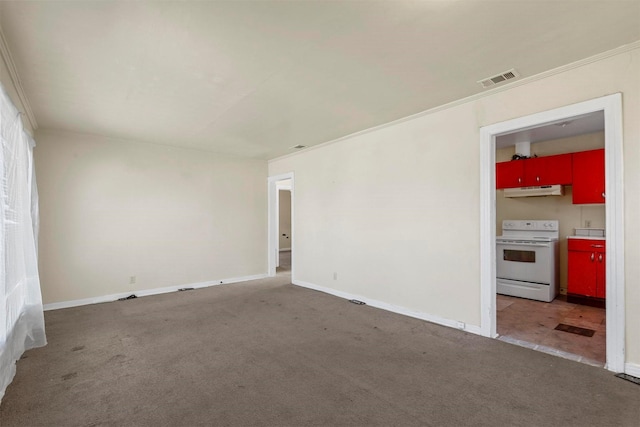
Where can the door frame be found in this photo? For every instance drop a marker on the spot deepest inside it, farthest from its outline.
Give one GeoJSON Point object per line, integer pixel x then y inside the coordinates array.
{"type": "Point", "coordinates": [611, 106]}
{"type": "Point", "coordinates": [273, 225]}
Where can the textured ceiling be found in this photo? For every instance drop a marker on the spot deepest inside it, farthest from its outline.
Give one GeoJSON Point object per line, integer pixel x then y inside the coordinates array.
{"type": "Point", "coordinates": [255, 78]}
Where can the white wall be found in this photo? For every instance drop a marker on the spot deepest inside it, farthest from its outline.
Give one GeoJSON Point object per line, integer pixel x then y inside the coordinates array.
{"type": "Point", "coordinates": [396, 211]}
{"type": "Point", "coordinates": [114, 209]}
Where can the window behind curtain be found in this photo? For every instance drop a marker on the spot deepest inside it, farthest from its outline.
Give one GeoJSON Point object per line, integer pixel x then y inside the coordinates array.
{"type": "Point", "coordinates": [21, 315]}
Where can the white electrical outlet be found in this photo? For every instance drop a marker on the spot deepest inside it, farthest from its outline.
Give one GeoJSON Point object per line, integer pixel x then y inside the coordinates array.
{"type": "Point", "coordinates": [335, 276]}
{"type": "Point", "coordinates": [132, 280]}
{"type": "Point", "coordinates": [461, 325]}
{"type": "Point", "coordinates": [587, 223]}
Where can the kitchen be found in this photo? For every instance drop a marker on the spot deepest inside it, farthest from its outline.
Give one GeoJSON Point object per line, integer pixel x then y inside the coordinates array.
{"type": "Point", "coordinates": [563, 223]}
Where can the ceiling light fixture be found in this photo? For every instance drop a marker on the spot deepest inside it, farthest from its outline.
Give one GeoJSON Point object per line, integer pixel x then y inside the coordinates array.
{"type": "Point", "coordinates": [564, 124]}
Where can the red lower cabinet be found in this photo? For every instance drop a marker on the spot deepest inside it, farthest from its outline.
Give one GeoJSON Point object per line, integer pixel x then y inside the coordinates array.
{"type": "Point", "coordinates": [587, 263]}
{"type": "Point", "coordinates": [601, 276]}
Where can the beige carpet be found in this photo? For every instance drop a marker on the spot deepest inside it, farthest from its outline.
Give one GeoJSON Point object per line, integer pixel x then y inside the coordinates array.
{"type": "Point", "coordinates": [267, 353]}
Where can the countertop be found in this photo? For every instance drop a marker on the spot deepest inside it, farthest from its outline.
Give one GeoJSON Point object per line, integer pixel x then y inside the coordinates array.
{"type": "Point", "coordinates": [587, 237]}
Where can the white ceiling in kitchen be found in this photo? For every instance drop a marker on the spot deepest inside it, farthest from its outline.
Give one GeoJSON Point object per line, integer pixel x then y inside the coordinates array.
{"type": "Point", "coordinates": [254, 78]}
{"type": "Point", "coordinates": [574, 126]}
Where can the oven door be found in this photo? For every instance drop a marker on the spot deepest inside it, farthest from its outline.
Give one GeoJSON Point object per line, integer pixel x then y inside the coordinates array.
{"type": "Point", "coordinates": [525, 261]}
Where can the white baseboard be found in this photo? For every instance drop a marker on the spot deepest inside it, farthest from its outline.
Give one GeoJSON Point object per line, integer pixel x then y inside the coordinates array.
{"type": "Point", "coordinates": [147, 292]}
{"type": "Point", "coordinates": [632, 369]}
{"type": "Point", "coordinates": [394, 308]}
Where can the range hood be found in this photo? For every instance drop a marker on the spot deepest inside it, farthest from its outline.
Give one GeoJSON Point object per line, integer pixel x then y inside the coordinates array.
{"type": "Point", "coordinates": [542, 190]}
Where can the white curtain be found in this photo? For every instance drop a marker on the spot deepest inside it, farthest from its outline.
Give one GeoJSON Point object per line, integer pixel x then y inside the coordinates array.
{"type": "Point", "coordinates": [21, 314]}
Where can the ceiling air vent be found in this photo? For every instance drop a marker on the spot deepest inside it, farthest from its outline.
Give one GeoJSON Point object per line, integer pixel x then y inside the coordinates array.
{"type": "Point", "coordinates": [499, 78]}
{"type": "Point", "coordinates": [297, 147]}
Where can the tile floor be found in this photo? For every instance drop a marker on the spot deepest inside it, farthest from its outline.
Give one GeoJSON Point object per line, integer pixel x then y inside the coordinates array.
{"type": "Point", "coordinates": [531, 324]}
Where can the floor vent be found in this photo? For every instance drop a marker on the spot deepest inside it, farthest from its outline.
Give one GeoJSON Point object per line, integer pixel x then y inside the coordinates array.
{"type": "Point", "coordinates": [575, 330]}
{"type": "Point", "coordinates": [628, 377]}
{"type": "Point", "coordinates": [499, 78]}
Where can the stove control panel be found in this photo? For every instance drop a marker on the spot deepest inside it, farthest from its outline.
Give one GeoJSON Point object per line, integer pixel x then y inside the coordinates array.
{"type": "Point", "coordinates": [530, 225]}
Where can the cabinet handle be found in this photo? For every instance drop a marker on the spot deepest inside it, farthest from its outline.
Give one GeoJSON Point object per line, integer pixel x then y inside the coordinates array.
{"type": "Point", "coordinates": [519, 180]}
{"type": "Point", "coordinates": [597, 246]}
{"type": "Point", "coordinates": [600, 257]}
{"type": "Point", "coordinates": [593, 256]}
{"type": "Point", "coordinates": [538, 178]}
{"type": "Point", "coordinates": [604, 195]}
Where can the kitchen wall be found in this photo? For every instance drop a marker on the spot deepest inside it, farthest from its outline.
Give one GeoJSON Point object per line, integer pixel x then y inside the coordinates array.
{"type": "Point", "coordinates": [560, 208]}
{"type": "Point", "coordinates": [393, 214]}
{"type": "Point", "coordinates": [590, 141]}
{"type": "Point", "coordinates": [116, 212]}
{"type": "Point", "coordinates": [285, 219]}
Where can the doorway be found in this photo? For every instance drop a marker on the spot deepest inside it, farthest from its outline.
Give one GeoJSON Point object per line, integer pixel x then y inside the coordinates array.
{"type": "Point", "coordinates": [281, 225]}
{"type": "Point", "coordinates": [611, 107]}
{"type": "Point", "coordinates": [283, 261]}
{"type": "Point", "coordinates": [538, 310]}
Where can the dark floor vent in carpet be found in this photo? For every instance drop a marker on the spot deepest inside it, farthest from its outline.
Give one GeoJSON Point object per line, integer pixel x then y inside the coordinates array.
{"type": "Point", "coordinates": [575, 330]}
{"type": "Point", "coordinates": [628, 377]}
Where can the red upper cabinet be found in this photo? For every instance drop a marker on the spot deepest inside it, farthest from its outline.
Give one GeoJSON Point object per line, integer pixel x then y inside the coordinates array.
{"type": "Point", "coordinates": [550, 170]}
{"type": "Point", "coordinates": [510, 174]}
{"type": "Point", "coordinates": [588, 177]}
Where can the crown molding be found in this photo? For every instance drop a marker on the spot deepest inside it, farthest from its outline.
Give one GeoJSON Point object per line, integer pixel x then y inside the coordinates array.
{"type": "Point", "coordinates": [15, 79]}
{"type": "Point", "coordinates": [522, 81]}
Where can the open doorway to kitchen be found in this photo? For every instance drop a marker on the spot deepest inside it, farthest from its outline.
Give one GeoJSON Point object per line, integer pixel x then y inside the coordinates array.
{"type": "Point", "coordinates": [548, 297]}
{"type": "Point", "coordinates": [530, 294]}
{"type": "Point", "coordinates": [281, 225]}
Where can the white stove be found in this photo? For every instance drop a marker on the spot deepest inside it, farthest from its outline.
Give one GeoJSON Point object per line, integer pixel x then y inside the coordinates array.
{"type": "Point", "coordinates": [527, 259]}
